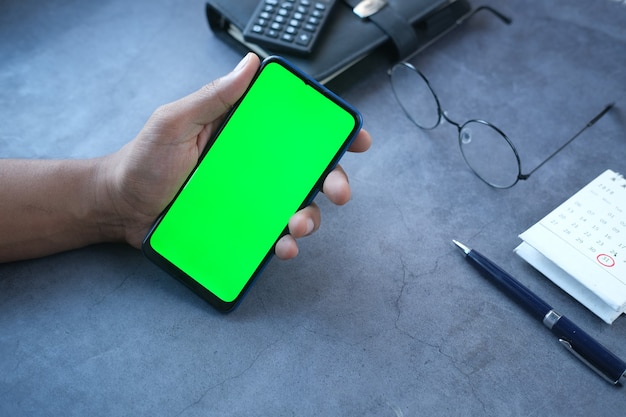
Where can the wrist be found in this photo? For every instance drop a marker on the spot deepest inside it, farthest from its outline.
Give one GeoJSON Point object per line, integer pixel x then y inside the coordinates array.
{"type": "Point", "coordinates": [100, 213]}
{"type": "Point", "coordinates": [119, 209]}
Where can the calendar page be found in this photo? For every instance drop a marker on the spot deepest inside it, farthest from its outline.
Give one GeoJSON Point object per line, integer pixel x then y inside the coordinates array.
{"type": "Point", "coordinates": [581, 245]}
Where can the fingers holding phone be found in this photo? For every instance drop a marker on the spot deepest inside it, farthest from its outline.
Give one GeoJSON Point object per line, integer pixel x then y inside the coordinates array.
{"type": "Point", "coordinates": [251, 182]}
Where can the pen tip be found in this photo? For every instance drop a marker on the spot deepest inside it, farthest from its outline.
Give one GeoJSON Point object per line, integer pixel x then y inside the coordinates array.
{"type": "Point", "coordinates": [461, 246]}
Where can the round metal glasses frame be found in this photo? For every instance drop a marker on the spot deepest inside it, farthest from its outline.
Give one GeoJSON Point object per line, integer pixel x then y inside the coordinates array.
{"type": "Point", "coordinates": [465, 130]}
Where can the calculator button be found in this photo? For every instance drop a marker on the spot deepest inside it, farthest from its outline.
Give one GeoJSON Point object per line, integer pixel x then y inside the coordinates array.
{"type": "Point", "coordinates": [303, 39]}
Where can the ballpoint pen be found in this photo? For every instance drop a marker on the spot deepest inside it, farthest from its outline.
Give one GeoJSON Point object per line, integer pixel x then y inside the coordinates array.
{"type": "Point", "coordinates": [572, 337]}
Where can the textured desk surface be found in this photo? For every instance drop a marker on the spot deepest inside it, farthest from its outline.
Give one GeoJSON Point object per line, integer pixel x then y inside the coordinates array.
{"type": "Point", "coordinates": [379, 315]}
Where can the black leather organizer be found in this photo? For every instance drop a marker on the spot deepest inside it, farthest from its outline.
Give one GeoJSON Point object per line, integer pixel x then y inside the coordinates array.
{"type": "Point", "coordinates": [399, 28]}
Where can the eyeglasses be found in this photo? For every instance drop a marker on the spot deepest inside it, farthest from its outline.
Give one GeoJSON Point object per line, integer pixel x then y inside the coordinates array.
{"type": "Point", "coordinates": [487, 150]}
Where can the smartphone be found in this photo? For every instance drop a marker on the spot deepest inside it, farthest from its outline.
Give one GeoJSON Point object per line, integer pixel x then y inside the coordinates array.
{"type": "Point", "coordinates": [267, 161]}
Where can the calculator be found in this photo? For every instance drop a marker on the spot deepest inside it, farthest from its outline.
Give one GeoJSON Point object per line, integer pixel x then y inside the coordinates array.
{"type": "Point", "coordinates": [291, 26]}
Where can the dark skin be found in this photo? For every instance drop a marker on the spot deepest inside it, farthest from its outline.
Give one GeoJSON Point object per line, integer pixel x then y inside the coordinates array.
{"type": "Point", "coordinates": [50, 206]}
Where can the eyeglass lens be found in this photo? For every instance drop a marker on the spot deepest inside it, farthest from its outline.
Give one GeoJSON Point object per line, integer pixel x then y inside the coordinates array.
{"type": "Point", "coordinates": [489, 154]}
{"type": "Point", "coordinates": [486, 150]}
{"type": "Point", "coordinates": [415, 96]}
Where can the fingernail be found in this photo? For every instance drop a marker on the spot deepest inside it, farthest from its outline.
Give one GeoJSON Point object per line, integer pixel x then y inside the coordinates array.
{"type": "Point", "coordinates": [310, 225]}
{"type": "Point", "coordinates": [242, 63]}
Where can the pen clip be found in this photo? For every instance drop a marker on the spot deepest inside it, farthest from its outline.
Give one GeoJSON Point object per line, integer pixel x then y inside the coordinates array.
{"type": "Point", "coordinates": [569, 347]}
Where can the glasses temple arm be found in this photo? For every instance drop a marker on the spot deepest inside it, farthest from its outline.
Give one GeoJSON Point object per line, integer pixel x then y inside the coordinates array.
{"type": "Point", "coordinates": [588, 125]}
{"type": "Point", "coordinates": [499, 15]}
{"type": "Point", "coordinates": [458, 23]}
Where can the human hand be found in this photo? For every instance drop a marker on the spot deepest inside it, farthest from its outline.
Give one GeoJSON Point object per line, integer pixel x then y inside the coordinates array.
{"type": "Point", "coordinates": [144, 176]}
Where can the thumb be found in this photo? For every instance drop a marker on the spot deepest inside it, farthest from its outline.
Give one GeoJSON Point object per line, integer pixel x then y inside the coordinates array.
{"type": "Point", "coordinates": [211, 101]}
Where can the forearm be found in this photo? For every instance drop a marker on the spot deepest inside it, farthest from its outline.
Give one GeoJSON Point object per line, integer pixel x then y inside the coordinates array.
{"type": "Point", "coordinates": [52, 206]}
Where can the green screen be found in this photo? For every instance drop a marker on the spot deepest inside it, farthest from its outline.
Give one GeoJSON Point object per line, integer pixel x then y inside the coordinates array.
{"type": "Point", "coordinates": [255, 176]}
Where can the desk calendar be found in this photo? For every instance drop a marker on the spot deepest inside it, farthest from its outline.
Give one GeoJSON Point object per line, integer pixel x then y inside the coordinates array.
{"type": "Point", "coordinates": [581, 246]}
